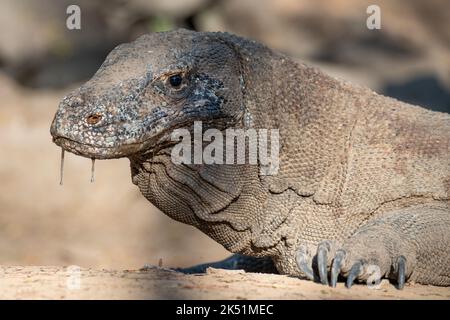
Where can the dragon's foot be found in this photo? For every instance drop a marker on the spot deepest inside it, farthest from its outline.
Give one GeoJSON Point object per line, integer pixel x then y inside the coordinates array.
{"type": "Point", "coordinates": [408, 244]}
{"type": "Point", "coordinates": [367, 256]}
{"type": "Point", "coordinates": [350, 263]}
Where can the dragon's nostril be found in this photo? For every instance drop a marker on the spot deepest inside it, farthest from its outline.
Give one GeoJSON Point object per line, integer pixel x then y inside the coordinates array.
{"type": "Point", "coordinates": [94, 118]}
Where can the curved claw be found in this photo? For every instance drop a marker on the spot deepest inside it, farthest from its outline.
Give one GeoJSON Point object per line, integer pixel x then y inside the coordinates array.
{"type": "Point", "coordinates": [322, 261]}
{"type": "Point", "coordinates": [336, 267]}
{"type": "Point", "coordinates": [302, 264]}
{"type": "Point", "coordinates": [401, 271]}
{"type": "Point", "coordinates": [355, 271]}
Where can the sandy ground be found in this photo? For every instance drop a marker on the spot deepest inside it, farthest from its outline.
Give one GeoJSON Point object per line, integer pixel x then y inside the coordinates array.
{"type": "Point", "coordinates": [156, 283]}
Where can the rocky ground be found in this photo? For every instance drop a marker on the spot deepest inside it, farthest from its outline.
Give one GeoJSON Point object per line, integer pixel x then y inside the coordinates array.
{"type": "Point", "coordinates": [156, 283]}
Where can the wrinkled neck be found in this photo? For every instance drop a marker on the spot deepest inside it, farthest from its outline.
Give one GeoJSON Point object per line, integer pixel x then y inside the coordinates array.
{"type": "Point", "coordinates": [213, 198]}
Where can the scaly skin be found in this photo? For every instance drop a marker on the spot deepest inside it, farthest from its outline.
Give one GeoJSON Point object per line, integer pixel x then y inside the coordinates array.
{"type": "Point", "coordinates": [364, 179]}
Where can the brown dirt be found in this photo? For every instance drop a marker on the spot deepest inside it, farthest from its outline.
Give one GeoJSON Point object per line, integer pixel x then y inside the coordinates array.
{"type": "Point", "coordinates": [156, 283]}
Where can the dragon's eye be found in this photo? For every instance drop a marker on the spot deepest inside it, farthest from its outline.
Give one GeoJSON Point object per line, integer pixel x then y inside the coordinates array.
{"type": "Point", "coordinates": [175, 80]}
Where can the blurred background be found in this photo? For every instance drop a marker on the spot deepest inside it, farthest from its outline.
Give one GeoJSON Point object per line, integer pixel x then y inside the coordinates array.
{"type": "Point", "coordinates": [108, 224]}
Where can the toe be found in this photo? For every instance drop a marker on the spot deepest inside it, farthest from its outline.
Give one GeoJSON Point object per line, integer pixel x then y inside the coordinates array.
{"type": "Point", "coordinates": [401, 272]}
{"type": "Point", "coordinates": [355, 271]}
{"type": "Point", "coordinates": [337, 266]}
{"type": "Point", "coordinates": [322, 263]}
{"type": "Point", "coordinates": [303, 264]}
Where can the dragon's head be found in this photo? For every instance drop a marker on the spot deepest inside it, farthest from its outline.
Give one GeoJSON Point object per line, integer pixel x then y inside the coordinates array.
{"type": "Point", "coordinates": [146, 89]}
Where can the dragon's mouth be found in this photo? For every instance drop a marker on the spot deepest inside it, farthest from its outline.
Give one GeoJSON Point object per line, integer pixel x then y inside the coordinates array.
{"type": "Point", "coordinates": [96, 152]}
{"type": "Point", "coordinates": [130, 150]}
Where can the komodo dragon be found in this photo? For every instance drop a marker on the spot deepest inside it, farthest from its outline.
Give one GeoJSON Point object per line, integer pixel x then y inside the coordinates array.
{"type": "Point", "coordinates": [363, 179]}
